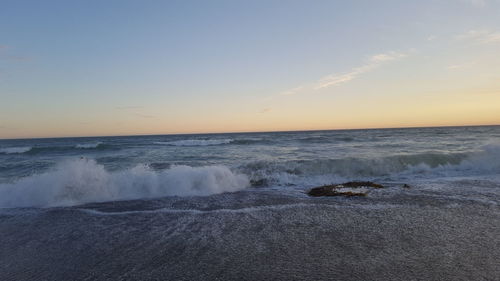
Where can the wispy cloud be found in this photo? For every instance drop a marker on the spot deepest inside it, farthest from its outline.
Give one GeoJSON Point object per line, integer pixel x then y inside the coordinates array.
{"type": "Point", "coordinates": [292, 91]}
{"type": "Point", "coordinates": [480, 36]}
{"type": "Point", "coordinates": [265, 110]}
{"type": "Point", "coordinates": [387, 57]}
{"type": "Point", "coordinates": [335, 79]}
{"type": "Point", "coordinates": [460, 65]}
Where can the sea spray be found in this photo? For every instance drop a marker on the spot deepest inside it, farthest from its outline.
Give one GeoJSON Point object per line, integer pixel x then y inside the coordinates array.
{"type": "Point", "coordinates": [81, 181]}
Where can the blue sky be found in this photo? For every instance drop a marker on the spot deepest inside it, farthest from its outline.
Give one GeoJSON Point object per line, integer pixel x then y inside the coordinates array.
{"type": "Point", "coordinates": [75, 68]}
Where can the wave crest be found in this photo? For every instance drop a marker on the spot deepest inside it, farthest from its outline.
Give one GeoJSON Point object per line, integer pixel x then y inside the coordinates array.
{"type": "Point", "coordinates": [81, 181]}
{"type": "Point", "coordinates": [326, 171]}
{"type": "Point", "coordinates": [15, 150]}
{"type": "Point", "coordinates": [88, 145]}
{"type": "Point", "coordinates": [195, 142]}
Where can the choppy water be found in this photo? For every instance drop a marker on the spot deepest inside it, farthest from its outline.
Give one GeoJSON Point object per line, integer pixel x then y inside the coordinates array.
{"type": "Point", "coordinates": [233, 206]}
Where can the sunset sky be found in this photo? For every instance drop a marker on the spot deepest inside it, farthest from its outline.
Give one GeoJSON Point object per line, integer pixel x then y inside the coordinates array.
{"type": "Point", "coordinates": [93, 67]}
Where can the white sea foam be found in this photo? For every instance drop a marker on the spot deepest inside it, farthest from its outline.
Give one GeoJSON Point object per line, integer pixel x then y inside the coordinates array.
{"type": "Point", "coordinates": [15, 150]}
{"type": "Point", "coordinates": [195, 142]}
{"type": "Point", "coordinates": [265, 208]}
{"type": "Point", "coordinates": [81, 181]}
{"type": "Point", "coordinates": [484, 161]}
{"type": "Point", "coordinates": [88, 145]}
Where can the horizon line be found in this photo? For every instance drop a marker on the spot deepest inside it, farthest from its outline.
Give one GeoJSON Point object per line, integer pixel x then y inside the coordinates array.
{"type": "Point", "coordinates": [253, 132]}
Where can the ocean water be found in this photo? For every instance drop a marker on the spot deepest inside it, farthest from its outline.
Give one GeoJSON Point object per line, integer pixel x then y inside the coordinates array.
{"type": "Point", "coordinates": [234, 206]}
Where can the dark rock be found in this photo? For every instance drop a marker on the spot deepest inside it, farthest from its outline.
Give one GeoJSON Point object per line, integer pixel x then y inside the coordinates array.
{"type": "Point", "coordinates": [258, 183]}
{"type": "Point", "coordinates": [350, 193]}
{"type": "Point", "coordinates": [406, 186]}
{"type": "Point", "coordinates": [355, 184]}
{"type": "Point", "coordinates": [340, 189]}
{"type": "Point", "coordinates": [327, 190]}
{"type": "Point", "coordinates": [332, 190]}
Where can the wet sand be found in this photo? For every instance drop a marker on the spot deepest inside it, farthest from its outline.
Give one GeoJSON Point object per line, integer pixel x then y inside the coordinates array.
{"type": "Point", "coordinates": [255, 236]}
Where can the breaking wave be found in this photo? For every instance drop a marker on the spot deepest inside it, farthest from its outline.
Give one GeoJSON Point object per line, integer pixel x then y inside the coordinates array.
{"type": "Point", "coordinates": [15, 150]}
{"type": "Point", "coordinates": [88, 145]}
{"type": "Point", "coordinates": [81, 181]}
{"type": "Point", "coordinates": [325, 171]}
{"type": "Point", "coordinates": [195, 142]}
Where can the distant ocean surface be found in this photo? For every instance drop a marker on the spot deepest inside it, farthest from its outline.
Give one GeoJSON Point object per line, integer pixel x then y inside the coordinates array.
{"type": "Point", "coordinates": [195, 196]}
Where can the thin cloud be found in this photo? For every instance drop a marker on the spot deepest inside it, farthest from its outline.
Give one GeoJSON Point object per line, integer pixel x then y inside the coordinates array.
{"type": "Point", "coordinates": [373, 63]}
{"type": "Point", "coordinates": [387, 57]}
{"type": "Point", "coordinates": [331, 80]}
{"type": "Point", "coordinates": [336, 79]}
{"type": "Point", "coordinates": [265, 110]}
{"type": "Point", "coordinates": [480, 36]}
{"type": "Point", "coordinates": [460, 66]}
{"type": "Point", "coordinates": [292, 91]}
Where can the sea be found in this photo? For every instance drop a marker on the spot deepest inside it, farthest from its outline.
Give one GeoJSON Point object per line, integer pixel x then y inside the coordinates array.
{"type": "Point", "coordinates": [235, 206]}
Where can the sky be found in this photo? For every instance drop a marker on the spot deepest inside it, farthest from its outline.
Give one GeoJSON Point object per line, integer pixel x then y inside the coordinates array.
{"type": "Point", "coordinates": [121, 67]}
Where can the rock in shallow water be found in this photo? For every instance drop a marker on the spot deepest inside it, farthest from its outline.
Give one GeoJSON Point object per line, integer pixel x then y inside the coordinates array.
{"type": "Point", "coordinates": [348, 189]}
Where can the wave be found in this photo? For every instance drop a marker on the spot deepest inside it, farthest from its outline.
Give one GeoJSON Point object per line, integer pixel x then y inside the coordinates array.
{"type": "Point", "coordinates": [195, 142]}
{"type": "Point", "coordinates": [88, 145]}
{"type": "Point", "coordinates": [247, 141]}
{"type": "Point", "coordinates": [15, 150]}
{"type": "Point", "coordinates": [51, 149]}
{"type": "Point", "coordinates": [326, 171]}
{"type": "Point", "coordinates": [484, 161]}
{"type": "Point", "coordinates": [326, 139]}
{"type": "Point", "coordinates": [80, 181]}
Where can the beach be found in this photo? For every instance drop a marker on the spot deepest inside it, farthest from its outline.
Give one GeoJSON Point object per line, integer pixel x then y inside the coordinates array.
{"type": "Point", "coordinates": [256, 236]}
